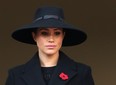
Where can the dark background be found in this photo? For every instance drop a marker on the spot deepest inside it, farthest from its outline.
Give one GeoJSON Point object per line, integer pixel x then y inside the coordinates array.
{"type": "Point", "coordinates": [96, 17]}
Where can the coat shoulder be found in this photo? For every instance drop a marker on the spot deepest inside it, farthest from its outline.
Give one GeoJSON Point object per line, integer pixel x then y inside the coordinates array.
{"type": "Point", "coordinates": [17, 70]}
{"type": "Point", "coordinates": [82, 66]}
{"type": "Point", "coordinates": [22, 67]}
{"type": "Point", "coordinates": [83, 69]}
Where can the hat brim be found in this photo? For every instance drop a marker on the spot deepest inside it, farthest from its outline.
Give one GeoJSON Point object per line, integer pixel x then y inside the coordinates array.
{"type": "Point", "coordinates": [73, 36]}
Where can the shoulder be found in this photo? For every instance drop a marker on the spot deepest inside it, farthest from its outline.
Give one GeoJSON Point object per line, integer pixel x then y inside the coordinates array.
{"type": "Point", "coordinates": [26, 66]}
{"type": "Point", "coordinates": [82, 66]}
{"type": "Point", "coordinates": [83, 69]}
{"type": "Point", "coordinates": [17, 69]}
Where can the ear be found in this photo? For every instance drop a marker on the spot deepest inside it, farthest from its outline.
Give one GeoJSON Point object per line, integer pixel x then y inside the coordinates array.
{"type": "Point", "coordinates": [34, 36]}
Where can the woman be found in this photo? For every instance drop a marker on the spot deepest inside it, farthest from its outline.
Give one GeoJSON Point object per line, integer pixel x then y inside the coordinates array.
{"type": "Point", "coordinates": [50, 66]}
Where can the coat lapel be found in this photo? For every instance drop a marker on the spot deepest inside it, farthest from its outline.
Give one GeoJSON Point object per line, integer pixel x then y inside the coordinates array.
{"type": "Point", "coordinates": [32, 73]}
{"type": "Point", "coordinates": [65, 65]}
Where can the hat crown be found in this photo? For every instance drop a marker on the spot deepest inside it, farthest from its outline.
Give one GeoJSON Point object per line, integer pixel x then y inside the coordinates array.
{"type": "Point", "coordinates": [50, 17]}
{"type": "Point", "coordinates": [49, 11]}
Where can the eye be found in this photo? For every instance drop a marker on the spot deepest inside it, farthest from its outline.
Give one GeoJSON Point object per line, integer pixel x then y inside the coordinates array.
{"type": "Point", "coordinates": [44, 33]}
{"type": "Point", "coordinates": [57, 33]}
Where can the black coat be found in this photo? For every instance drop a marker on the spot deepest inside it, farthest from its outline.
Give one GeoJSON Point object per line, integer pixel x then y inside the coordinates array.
{"type": "Point", "coordinates": [30, 73]}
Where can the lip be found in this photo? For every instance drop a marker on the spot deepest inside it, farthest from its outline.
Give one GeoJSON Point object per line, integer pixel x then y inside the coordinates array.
{"type": "Point", "coordinates": [50, 46]}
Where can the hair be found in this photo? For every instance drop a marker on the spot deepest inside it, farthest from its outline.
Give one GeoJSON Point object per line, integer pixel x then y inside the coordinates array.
{"type": "Point", "coordinates": [35, 30]}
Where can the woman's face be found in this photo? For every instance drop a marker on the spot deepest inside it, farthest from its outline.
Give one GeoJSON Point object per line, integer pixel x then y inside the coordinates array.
{"type": "Point", "coordinates": [49, 40]}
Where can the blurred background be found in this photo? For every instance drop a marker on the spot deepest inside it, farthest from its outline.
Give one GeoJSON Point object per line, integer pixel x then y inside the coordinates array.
{"type": "Point", "coordinates": [96, 17]}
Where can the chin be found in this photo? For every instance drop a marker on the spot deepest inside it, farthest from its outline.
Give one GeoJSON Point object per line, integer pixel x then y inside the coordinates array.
{"type": "Point", "coordinates": [51, 52]}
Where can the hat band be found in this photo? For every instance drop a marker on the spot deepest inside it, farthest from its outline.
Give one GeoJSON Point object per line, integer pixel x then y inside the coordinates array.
{"type": "Point", "coordinates": [48, 17]}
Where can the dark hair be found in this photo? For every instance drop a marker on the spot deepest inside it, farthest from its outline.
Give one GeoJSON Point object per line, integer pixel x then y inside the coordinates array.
{"type": "Point", "coordinates": [35, 30]}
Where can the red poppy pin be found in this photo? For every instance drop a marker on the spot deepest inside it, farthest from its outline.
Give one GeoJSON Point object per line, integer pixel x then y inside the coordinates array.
{"type": "Point", "coordinates": [63, 76]}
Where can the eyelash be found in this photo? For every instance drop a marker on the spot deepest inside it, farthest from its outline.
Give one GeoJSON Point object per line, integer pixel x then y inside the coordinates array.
{"type": "Point", "coordinates": [44, 33]}
{"type": "Point", "coordinates": [47, 33]}
{"type": "Point", "coordinates": [57, 33]}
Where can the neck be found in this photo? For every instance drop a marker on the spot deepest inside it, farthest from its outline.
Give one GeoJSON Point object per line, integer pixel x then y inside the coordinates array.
{"type": "Point", "coordinates": [48, 60]}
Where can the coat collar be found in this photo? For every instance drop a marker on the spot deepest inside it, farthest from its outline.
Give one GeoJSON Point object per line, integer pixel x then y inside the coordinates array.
{"type": "Point", "coordinates": [33, 75]}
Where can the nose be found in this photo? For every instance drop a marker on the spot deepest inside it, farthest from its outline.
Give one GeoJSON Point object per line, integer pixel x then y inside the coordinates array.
{"type": "Point", "coordinates": [51, 39]}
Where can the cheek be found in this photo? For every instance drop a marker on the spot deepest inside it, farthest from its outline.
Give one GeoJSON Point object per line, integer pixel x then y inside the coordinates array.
{"type": "Point", "coordinates": [59, 41]}
{"type": "Point", "coordinates": [40, 42]}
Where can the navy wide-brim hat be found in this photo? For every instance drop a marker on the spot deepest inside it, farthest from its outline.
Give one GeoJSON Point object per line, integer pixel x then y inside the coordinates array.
{"type": "Point", "coordinates": [47, 17]}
